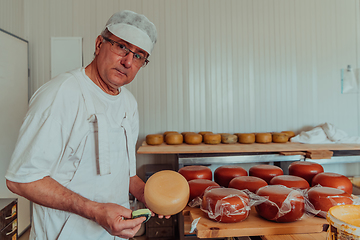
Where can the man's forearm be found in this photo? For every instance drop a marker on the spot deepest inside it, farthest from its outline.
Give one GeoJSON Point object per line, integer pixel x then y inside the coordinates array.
{"type": "Point", "coordinates": [136, 188]}
{"type": "Point", "coordinates": [49, 193]}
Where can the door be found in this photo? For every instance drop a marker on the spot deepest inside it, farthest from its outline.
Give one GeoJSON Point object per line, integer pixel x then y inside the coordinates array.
{"type": "Point", "coordinates": [13, 107]}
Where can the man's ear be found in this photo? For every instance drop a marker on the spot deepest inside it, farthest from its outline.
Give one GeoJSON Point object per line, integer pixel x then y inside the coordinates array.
{"type": "Point", "coordinates": [98, 43]}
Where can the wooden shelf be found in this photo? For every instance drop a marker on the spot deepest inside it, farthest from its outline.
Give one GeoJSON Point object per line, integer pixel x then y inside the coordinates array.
{"type": "Point", "coordinates": [241, 148]}
{"type": "Point", "coordinates": [254, 225]}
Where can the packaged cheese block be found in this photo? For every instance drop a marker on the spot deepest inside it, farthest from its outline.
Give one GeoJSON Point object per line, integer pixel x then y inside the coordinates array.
{"type": "Point", "coordinates": [196, 172]}
{"type": "Point", "coordinates": [289, 133]}
{"type": "Point", "coordinates": [323, 198]}
{"type": "Point", "coordinates": [290, 181]}
{"type": "Point", "coordinates": [211, 138]}
{"type": "Point", "coordinates": [305, 169]}
{"type": "Point", "coordinates": [226, 205]}
{"type": "Point", "coordinates": [283, 205]}
{"type": "Point", "coordinates": [224, 174]}
{"type": "Point", "coordinates": [154, 139]}
{"type": "Point", "coordinates": [229, 138]}
{"type": "Point", "coordinates": [263, 137]}
{"type": "Point", "coordinates": [198, 187]}
{"type": "Point", "coordinates": [193, 138]}
{"type": "Point", "coordinates": [280, 137]}
{"type": "Point", "coordinates": [334, 180]}
{"type": "Point", "coordinates": [246, 138]}
{"type": "Point", "coordinates": [265, 172]}
{"type": "Point", "coordinates": [174, 138]}
{"type": "Point", "coordinates": [250, 183]}
{"type": "Point", "coordinates": [166, 192]}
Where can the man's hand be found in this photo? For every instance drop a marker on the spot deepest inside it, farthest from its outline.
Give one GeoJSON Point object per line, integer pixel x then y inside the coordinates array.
{"type": "Point", "coordinates": [117, 220]}
{"type": "Point", "coordinates": [49, 193]}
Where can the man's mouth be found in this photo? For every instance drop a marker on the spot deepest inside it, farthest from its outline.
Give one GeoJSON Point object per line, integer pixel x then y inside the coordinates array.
{"type": "Point", "coordinates": [120, 72]}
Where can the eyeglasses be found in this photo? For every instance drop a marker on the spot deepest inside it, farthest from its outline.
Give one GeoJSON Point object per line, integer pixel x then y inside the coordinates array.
{"type": "Point", "coordinates": [121, 50]}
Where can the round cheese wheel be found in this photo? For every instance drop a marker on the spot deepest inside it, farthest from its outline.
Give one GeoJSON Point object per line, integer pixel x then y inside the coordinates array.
{"type": "Point", "coordinates": [265, 172]}
{"type": "Point", "coordinates": [226, 205]}
{"type": "Point", "coordinates": [198, 186]}
{"type": "Point", "coordinates": [290, 181]}
{"type": "Point", "coordinates": [263, 137]}
{"type": "Point", "coordinates": [166, 133]}
{"type": "Point", "coordinates": [278, 195]}
{"type": "Point", "coordinates": [196, 172]}
{"type": "Point", "coordinates": [333, 180]}
{"type": "Point", "coordinates": [229, 138]}
{"type": "Point", "coordinates": [247, 182]}
{"type": "Point", "coordinates": [184, 133]}
{"type": "Point", "coordinates": [193, 138]}
{"type": "Point", "coordinates": [204, 132]}
{"type": "Point", "coordinates": [166, 192]}
{"type": "Point", "coordinates": [154, 139]}
{"type": "Point", "coordinates": [305, 169]}
{"type": "Point", "coordinates": [246, 138]}
{"type": "Point", "coordinates": [224, 174]}
{"type": "Point", "coordinates": [289, 133]}
{"type": "Point", "coordinates": [323, 198]}
{"type": "Point", "coordinates": [211, 138]}
{"type": "Point", "coordinates": [280, 137]}
{"type": "Point", "coordinates": [174, 138]}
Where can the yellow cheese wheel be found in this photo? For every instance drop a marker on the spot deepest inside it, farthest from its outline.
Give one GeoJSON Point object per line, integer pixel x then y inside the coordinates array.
{"type": "Point", "coordinates": [193, 138]}
{"type": "Point", "coordinates": [166, 192]}
{"type": "Point", "coordinates": [212, 138]}
{"type": "Point", "coordinates": [228, 138]}
{"type": "Point", "coordinates": [280, 137]}
{"type": "Point", "coordinates": [154, 139]}
{"type": "Point", "coordinates": [174, 138]}
{"type": "Point", "coordinates": [263, 137]}
{"type": "Point", "coordinates": [289, 133]}
{"type": "Point", "coordinates": [246, 138]}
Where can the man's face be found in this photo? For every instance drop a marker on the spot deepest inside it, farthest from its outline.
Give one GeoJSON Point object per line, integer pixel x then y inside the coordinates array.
{"type": "Point", "coordinates": [114, 70]}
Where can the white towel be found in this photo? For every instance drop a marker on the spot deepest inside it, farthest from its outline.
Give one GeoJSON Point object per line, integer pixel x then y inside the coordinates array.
{"type": "Point", "coordinates": [325, 133]}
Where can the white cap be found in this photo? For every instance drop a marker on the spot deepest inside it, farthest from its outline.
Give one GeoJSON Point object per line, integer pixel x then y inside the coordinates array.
{"type": "Point", "coordinates": [133, 28]}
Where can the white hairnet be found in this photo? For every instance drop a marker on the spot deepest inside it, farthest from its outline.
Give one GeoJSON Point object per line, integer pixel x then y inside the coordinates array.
{"type": "Point", "coordinates": [133, 28]}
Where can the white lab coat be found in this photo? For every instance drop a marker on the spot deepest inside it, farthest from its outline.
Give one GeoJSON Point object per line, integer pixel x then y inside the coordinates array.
{"type": "Point", "coordinates": [98, 168]}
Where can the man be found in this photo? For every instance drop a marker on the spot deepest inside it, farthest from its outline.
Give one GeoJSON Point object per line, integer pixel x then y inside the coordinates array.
{"type": "Point", "coordinates": [75, 155]}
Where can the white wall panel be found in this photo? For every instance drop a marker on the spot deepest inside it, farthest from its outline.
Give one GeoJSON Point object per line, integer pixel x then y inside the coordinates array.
{"type": "Point", "coordinates": [223, 66]}
{"type": "Point", "coordinates": [12, 16]}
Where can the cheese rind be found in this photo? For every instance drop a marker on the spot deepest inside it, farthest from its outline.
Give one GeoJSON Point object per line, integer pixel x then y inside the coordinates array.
{"type": "Point", "coordinates": [174, 138]}
{"type": "Point", "coordinates": [229, 138]}
{"type": "Point", "coordinates": [263, 137]}
{"type": "Point", "coordinates": [246, 138]}
{"type": "Point", "coordinates": [211, 138]}
{"type": "Point", "coordinates": [154, 139]}
{"type": "Point", "coordinates": [166, 192]}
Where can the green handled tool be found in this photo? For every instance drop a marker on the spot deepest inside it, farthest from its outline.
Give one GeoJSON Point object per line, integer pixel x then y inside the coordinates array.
{"type": "Point", "coordinates": [142, 213]}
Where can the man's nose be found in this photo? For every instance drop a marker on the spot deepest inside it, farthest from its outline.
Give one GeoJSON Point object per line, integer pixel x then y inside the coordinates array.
{"type": "Point", "coordinates": [127, 60]}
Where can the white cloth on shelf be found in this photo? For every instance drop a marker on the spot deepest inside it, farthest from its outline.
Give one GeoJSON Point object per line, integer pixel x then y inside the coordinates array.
{"type": "Point", "coordinates": [325, 133]}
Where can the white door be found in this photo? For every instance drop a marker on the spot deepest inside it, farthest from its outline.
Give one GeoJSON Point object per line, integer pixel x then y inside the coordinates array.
{"type": "Point", "coordinates": [13, 107]}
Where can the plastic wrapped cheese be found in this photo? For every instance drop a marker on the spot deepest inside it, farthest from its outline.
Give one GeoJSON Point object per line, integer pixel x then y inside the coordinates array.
{"type": "Point", "coordinates": [226, 205]}
{"type": "Point", "coordinates": [283, 205]}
